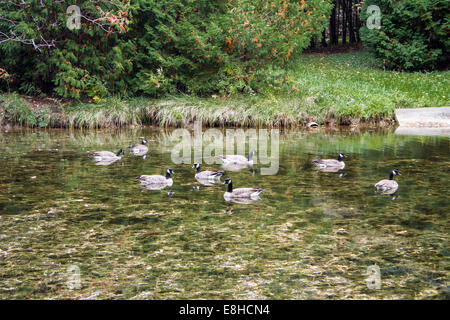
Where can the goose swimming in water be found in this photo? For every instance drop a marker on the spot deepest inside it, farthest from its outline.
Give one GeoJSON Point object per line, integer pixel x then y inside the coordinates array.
{"type": "Point", "coordinates": [386, 186]}
{"type": "Point", "coordinates": [248, 193]}
{"type": "Point", "coordinates": [238, 159]}
{"type": "Point", "coordinates": [331, 163]}
{"type": "Point", "coordinates": [206, 175]}
{"type": "Point", "coordinates": [106, 156]}
{"type": "Point", "coordinates": [160, 181]}
{"type": "Point", "coordinates": [139, 149]}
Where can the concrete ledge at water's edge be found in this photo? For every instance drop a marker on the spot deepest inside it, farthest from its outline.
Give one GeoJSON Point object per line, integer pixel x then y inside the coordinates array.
{"type": "Point", "coordinates": [424, 131]}
{"type": "Point", "coordinates": [423, 121]}
{"type": "Point", "coordinates": [424, 117]}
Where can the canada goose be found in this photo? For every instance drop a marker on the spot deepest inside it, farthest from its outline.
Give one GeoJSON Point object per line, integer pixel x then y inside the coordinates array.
{"type": "Point", "coordinates": [249, 193]}
{"type": "Point", "coordinates": [139, 149]}
{"type": "Point", "coordinates": [386, 186]}
{"type": "Point", "coordinates": [157, 179]}
{"type": "Point", "coordinates": [331, 163]}
{"type": "Point", "coordinates": [106, 156]}
{"type": "Point", "coordinates": [238, 159]}
{"type": "Point", "coordinates": [206, 175]}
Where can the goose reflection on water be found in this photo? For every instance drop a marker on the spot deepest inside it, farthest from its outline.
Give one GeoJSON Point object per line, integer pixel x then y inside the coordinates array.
{"type": "Point", "coordinates": [105, 162]}
{"type": "Point", "coordinates": [243, 200]}
{"type": "Point", "coordinates": [208, 183]}
{"type": "Point", "coordinates": [141, 153]}
{"type": "Point", "coordinates": [236, 166]}
{"type": "Point", "coordinates": [154, 186]}
{"type": "Point", "coordinates": [329, 169]}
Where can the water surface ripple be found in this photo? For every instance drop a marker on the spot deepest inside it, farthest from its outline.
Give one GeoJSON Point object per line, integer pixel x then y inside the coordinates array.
{"type": "Point", "coordinates": [312, 236]}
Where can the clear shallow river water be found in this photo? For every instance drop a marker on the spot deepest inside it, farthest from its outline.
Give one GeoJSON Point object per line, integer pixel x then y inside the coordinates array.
{"type": "Point", "coordinates": [313, 235]}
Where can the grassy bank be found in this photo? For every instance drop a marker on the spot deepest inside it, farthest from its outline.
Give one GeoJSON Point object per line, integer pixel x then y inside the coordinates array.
{"type": "Point", "coordinates": [329, 89]}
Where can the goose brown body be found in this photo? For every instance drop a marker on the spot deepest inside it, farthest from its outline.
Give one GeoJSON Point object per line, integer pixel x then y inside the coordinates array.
{"type": "Point", "coordinates": [249, 193]}
{"type": "Point", "coordinates": [207, 174]}
{"type": "Point", "coordinates": [106, 156]}
{"type": "Point", "coordinates": [139, 149]}
{"type": "Point", "coordinates": [157, 179]}
{"type": "Point", "coordinates": [331, 163]}
{"type": "Point", "coordinates": [237, 159]}
{"type": "Point", "coordinates": [388, 186]}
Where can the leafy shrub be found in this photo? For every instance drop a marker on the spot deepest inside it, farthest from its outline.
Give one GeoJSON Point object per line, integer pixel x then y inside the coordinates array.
{"type": "Point", "coordinates": [271, 32]}
{"type": "Point", "coordinates": [15, 110]}
{"type": "Point", "coordinates": [44, 55]}
{"type": "Point", "coordinates": [152, 47]}
{"type": "Point", "coordinates": [217, 46]}
{"type": "Point", "coordinates": [178, 46]}
{"type": "Point", "coordinates": [413, 34]}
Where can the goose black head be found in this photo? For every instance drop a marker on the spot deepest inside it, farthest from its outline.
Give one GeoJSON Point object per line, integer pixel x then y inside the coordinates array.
{"type": "Point", "coordinates": [341, 156]}
{"type": "Point", "coordinates": [120, 152]}
{"type": "Point", "coordinates": [394, 173]}
{"type": "Point", "coordinates": [197, 166]}
{"type": "Point", "coordinates": [230, 184]}
{"type": "Point", "coordinates": [144, 141]}
{"type": "Point", "coordinates": [169, 172]}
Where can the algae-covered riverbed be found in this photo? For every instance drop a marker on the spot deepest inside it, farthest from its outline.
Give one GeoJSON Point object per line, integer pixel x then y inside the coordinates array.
{"type": "Point", "coordinates": [313, 234]}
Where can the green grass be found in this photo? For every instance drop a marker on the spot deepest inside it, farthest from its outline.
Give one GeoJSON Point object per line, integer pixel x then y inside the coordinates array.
{"type": "Point", "coordinates": [349, 85]}
{"type": "Point", "coordinates": [340, 88]}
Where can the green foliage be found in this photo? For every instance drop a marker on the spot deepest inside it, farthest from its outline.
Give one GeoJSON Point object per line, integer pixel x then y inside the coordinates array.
{"type": "Point", "coordinates": [272, 32]}
{"type": "Point", "coordinates": [178, 45]}
{"type": "Point", "coordinates": [46, 56]}
{"type": "Point", "coordinates": [15, 110]}
{"type": "Point", "coordinates": [217, 46]}
{"type": "Point", "coordinates": [413, 34]}
{"type": "Point", "coordinates": [152, 47]}
{"type": "Point", "coordinates": [340, 87]}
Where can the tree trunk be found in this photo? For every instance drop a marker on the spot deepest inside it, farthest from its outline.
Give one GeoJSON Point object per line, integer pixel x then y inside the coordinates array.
{"type": "Point", "coordinates": [333, 38]}
{"type": "Point", "coordinates": [351, 25]}
{"type": "Point", "coordinates": [344, 22]}
{"type": "Point", "coordinates": [357, 26]}
{"type": "Point", "coordinates": [313, 42]}
{"type": "Point", "coordinates": [324, 39]}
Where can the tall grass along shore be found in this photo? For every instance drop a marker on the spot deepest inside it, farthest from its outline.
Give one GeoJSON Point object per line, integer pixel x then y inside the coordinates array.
{"type": "Point", "coordinates": [329, 89]}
